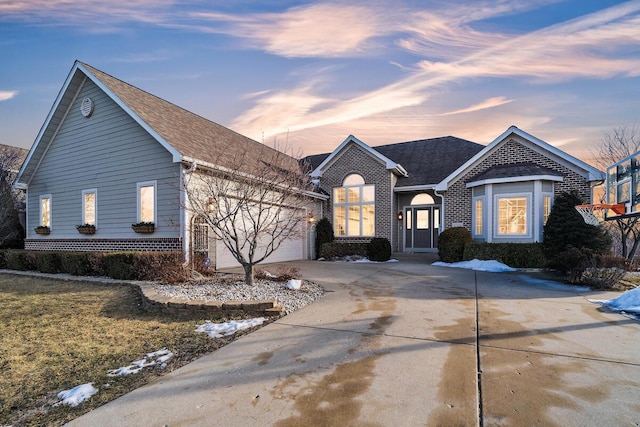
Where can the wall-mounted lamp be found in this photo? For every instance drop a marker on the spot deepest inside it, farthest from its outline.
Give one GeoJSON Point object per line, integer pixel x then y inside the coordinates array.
{"type": "Point", "coordinates": [400, 216]}
{"type": "Point", "coordinates": [311, 218]}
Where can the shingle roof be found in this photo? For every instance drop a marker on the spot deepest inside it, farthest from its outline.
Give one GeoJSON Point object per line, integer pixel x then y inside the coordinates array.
{"type": "Point", "coordinates": [191, 135]}
{"type": "Point", "coordinates": [427, 161]}
{"type": "Point", "coordinates": [514, 170]}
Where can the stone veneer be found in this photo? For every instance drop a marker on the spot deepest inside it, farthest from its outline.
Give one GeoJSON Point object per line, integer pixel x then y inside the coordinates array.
{"type": "Point", "coordinates": [458, 204]}
{"type": "Point", "coordinates": [104, 245]}
{"type": "Point", "coordinates": [354, 159]}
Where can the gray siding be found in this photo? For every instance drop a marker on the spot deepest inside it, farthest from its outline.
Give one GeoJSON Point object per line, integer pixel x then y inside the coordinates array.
{"type": "Point", "coordinates": [110, 152]}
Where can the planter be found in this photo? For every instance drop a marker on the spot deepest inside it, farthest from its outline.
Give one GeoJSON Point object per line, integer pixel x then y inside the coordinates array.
{"type": "Point", "coordinates": [42, 230]}
{"type": "Point", "coordinates": [86, 229]}
{"type": "Point", "coordinates": [143, 228]}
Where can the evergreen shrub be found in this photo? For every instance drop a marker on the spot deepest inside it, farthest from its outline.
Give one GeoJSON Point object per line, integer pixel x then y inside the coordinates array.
{"type": "Point", "coordinates": [340, 249]}
{"type": "Point", "coordinates": [516, 255]}
{"type": "Point", "coordinates": [19, 259]}
{"type": "Point", "coordinates": [379, 249]}
{"type": "Point", "coordinates": [47, 261]}
{"type": "Point", "coordinates": [451, 243]}
{"type": "Point", "coordinates": [324, 234]}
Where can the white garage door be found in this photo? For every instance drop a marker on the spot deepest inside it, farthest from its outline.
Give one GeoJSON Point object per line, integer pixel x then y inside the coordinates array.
{"type": "Point", "coordinates": [289, 250]}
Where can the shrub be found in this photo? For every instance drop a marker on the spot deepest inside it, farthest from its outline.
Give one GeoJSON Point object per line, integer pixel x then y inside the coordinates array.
{"type": "Point", "coordinates": [3, 259]}
{"type": "Point", "coordinates": [517, 255]}
{"type": "Point", "coordinates": [47, 262]}
{"type": "Point", "coordinates": [451, 243]}
{"type": "Point", "coordinates": [81, 263]}
{"type": "Point", "coordinates": [19, 260]}
{"type": "Point", "coordinates": [282, 273]}
{"type": "Point", "coordinates": [379, 249]}
{"type": "Point", "coordinates": [162, 266]}
{"type": "Point", "coordinates": [324, 234]}
{"type": "Point", "coordinates": [340, 249]}
{"type": "Point", "coordinates": [600, 271]}
{"type": "Point", "coordinates": [119, 265]}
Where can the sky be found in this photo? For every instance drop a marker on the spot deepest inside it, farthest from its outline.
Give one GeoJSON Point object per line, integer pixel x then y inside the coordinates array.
{"type": "Point", "coordinates": [305, 75]}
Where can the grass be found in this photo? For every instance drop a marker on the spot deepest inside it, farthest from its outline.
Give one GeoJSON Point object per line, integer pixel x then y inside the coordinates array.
{"type": "Point", "coordinates": [55, 335]}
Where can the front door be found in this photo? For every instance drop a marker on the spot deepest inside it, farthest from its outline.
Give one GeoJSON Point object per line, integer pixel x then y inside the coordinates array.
{"type": "Point", "coordinates": [421, 228]}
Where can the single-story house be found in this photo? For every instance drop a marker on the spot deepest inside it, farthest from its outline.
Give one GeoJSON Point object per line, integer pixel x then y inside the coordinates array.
{"type": "Point", "coordinates": [111, 155]}
{"type": "Point", "coordinates": [409, 192]}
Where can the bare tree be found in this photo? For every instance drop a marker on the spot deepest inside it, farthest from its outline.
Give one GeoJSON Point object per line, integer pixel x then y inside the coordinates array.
{"type": "Point", "coordinates": [620, 143]}
{"type": "Point", "coordinates": [11, 230]}
{"type": "Point", "coordinates": [253, 203]}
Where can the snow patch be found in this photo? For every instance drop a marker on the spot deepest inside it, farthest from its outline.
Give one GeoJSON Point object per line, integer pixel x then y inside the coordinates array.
{"type": "Point", "coordinates": [294, 284]}
{"type": "Point", "coordinates": [219, 330]}
{"type": "Point", "coordinates": [76, 395]}
{"type": "Point", "coordinates": [628, 303]}
{"type": "Point", "coordinates": [478, 265]}
{"type": "Point", "coordinates": [159, 357]}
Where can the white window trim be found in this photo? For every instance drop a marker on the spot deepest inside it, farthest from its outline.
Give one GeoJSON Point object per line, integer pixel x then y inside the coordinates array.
{"type": "Point", "coordinates": [484, 216]}
{"type": "Point", "coordinates": [496, 210]}
{"type": "Point", "coordinates": [45, 196]}
{"type": "Point", "coordinates": [95, 192]}
{"type": "Point", "coordinates": [155, 199]}
{"type": "Point", "coordinates": [360, 204]}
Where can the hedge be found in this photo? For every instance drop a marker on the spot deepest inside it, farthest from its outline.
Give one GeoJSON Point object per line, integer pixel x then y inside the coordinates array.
{"type": "Point", "coordinates": [164, 266]}
{"type": "Point", "coordinates": [516, 255]}
{"type": "Point", "coordinates": [339, 250]}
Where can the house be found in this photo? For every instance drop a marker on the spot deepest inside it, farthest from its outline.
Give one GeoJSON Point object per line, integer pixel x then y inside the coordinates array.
{"type": "Point", "coordinates": [409, 192]}
{"type": "Point", "coordinates": [110, 155]}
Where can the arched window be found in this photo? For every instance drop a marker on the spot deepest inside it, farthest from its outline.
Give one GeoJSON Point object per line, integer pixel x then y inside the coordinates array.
{"type": "Point", "coordinates": [422, 199]}
{"type": "Point", "coordinates": [354, 207]}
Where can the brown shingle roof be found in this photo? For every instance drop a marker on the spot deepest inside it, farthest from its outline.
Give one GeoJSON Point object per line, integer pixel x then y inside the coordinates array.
{"type": "Point", "coordinates": [192, 136]}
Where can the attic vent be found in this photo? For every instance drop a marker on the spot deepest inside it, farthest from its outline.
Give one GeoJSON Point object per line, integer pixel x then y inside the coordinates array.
{"type": "Point", "coordinates": [86, 108]}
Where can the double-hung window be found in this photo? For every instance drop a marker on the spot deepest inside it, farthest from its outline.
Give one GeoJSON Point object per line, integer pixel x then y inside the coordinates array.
{"type": "Point", "coordinates": [513, 215]}
{"type": "Point", "coordinates": [147, 201]}
{"type": "Point", "coordinates": [89, 205]}
{"type": "Point", "coordinates": [45, 210]}
{"type": "Point", "coordinates": [354, 208]}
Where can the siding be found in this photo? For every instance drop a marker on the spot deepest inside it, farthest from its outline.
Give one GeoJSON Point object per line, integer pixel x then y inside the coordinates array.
{"type": "Point", "coordinates": [110, 152]}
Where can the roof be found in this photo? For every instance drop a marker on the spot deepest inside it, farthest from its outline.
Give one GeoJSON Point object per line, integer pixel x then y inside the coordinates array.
{"type": "Point", "coordinates": [427, 161]}
{"type": "Point", "coordinates": [517, 171]}
{"type": "Point", "coordinates": [591, 173]}
{"type": "Point", "coordinates": [187, 136]}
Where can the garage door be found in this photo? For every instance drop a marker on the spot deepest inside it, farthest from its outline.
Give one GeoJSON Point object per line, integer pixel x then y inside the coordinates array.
{"type": "Point", "coordinates": [289, 250]}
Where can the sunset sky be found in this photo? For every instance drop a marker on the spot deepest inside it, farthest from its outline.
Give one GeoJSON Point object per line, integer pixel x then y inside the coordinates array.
{"type": "Point", "coordinates": [308, 74]}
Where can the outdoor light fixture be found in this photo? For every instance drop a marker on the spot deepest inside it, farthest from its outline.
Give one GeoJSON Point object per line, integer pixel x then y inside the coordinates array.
{"type": "Point", "coordinates": [310, 218]}
{"type": "Point", "coordinates": [400, 216]}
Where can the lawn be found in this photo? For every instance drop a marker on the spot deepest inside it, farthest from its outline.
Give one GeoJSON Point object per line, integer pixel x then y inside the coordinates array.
{"type": "Point", "coordinates": [55, 335]}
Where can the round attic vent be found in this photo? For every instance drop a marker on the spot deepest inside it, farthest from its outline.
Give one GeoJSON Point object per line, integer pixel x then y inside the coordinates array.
{"type": "Point", "coordinates": [86, 108]}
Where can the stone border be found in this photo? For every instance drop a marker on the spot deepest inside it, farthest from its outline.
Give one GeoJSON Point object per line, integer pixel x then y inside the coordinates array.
{"type": "Point", "coordinates": [153, 302]}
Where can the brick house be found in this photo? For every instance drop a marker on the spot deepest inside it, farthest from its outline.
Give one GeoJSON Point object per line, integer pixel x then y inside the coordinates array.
{"type": "Point", "coordinates": [409, 192]}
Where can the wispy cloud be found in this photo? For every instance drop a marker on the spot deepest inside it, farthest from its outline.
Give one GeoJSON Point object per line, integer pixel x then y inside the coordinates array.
{"type": "Point", "coordinates": [6, 95]}
{"type": "Point", "coordinates": [487, 103]}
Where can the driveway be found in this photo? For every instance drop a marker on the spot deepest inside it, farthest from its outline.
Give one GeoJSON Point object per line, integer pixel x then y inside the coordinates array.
{"type": "Point", "coordinates": [395, 344]}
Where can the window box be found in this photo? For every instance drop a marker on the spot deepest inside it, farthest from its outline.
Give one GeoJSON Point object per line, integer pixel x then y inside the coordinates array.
{"type": "Point", "coordinates": [42, 230]}
{"type": "Point", "coordinates": [86, 229]}
{"type": "Point", "coordinates": [144, 227]}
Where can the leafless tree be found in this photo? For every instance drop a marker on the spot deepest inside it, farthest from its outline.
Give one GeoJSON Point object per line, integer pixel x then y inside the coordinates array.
{"type": "Point", "coordinates": [11, 231]}
{"type": "Point", "coordinates": [253, 201]}
{"type": "Point", "coordinates": [616, 145]}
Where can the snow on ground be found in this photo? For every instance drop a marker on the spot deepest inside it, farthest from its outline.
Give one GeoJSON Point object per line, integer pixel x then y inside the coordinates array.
{"type": "Point", "coordinates": [218, 330]}
{"type": "Point", "coordinates": [478, 265]}
{"type": "Point", "coordinates": [76, 395]}
{"type": "Point", "coordinates": [628, 303]}
{"type": "Point", "coordinates": [159, 357]}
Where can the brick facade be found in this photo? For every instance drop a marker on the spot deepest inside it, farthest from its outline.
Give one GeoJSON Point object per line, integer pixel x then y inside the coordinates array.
{"type": "Point", "coordinates": [458, 204]}
{"type": "Point", "coordinates": [354, 159]}
{"type": "Point", "coordinates": [104, 245]}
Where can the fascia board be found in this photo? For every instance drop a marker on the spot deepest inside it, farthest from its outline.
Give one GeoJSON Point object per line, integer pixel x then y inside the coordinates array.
{"type": "Point", "coordinates": [409, 188]}
{"type": "Point", "coordinates": [515, 179]}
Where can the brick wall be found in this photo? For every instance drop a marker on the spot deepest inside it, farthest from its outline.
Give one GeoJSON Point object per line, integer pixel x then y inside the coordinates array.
{"type": "Point", "coordinates": [458, 196]}
{"type": "Point", "coordinates": [104, 245]}
{"type": "Point", "coordinates": [354, 159]}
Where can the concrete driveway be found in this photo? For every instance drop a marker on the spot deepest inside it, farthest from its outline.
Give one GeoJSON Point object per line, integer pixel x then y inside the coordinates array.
{"type": "Point", "coordinates": [395, 344]}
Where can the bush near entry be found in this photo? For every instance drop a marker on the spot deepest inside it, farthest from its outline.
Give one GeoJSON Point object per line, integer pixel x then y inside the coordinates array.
{"type": "Point", "coordinates": [324, 234]}
{"type": "Point", "coordinates": [516, 255]}
{"type": "Point", "coordinates": [451, 243]}
{"type": "Point", "coordinates": [341, 249]}
{"type": "Point", "coordinates": [379, 249]}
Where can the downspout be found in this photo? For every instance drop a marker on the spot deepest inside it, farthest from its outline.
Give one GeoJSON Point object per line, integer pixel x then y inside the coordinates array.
{"type": "Point", "coordinates": [183, 214]}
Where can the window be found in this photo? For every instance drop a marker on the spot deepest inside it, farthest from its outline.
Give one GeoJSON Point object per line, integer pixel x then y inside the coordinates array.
{"type": "Point", "coordinates": [512, 215]}
{"type": "Point", "coordinates": [45, 210]}
{"type": "Point", "coordinates": [546, 200]}
{"type": "Point", "coordinates": [89, 203]}
{"type": "Point", "coordinates": [354, 208]}
{"type": "Point", "coordinates": [147, 201]}
{"type": "Point", "coordinates": [422, 199]}
{"type": "Point", "coordinates": [477, 224]}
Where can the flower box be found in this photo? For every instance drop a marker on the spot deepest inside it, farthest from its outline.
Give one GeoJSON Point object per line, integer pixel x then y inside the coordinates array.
{"type": "Point", "coordinates": [42, 230]}
{"type": "Point", "coordinates": [144, 227]}
{"type": "Point", "coordinates": [86, 229]}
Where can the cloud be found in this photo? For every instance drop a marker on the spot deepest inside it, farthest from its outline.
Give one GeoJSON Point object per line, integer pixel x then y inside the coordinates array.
{"type": "Point", "coordinates": [6, 95]}
{"type": "Point", "coordinates": [487, 103]}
